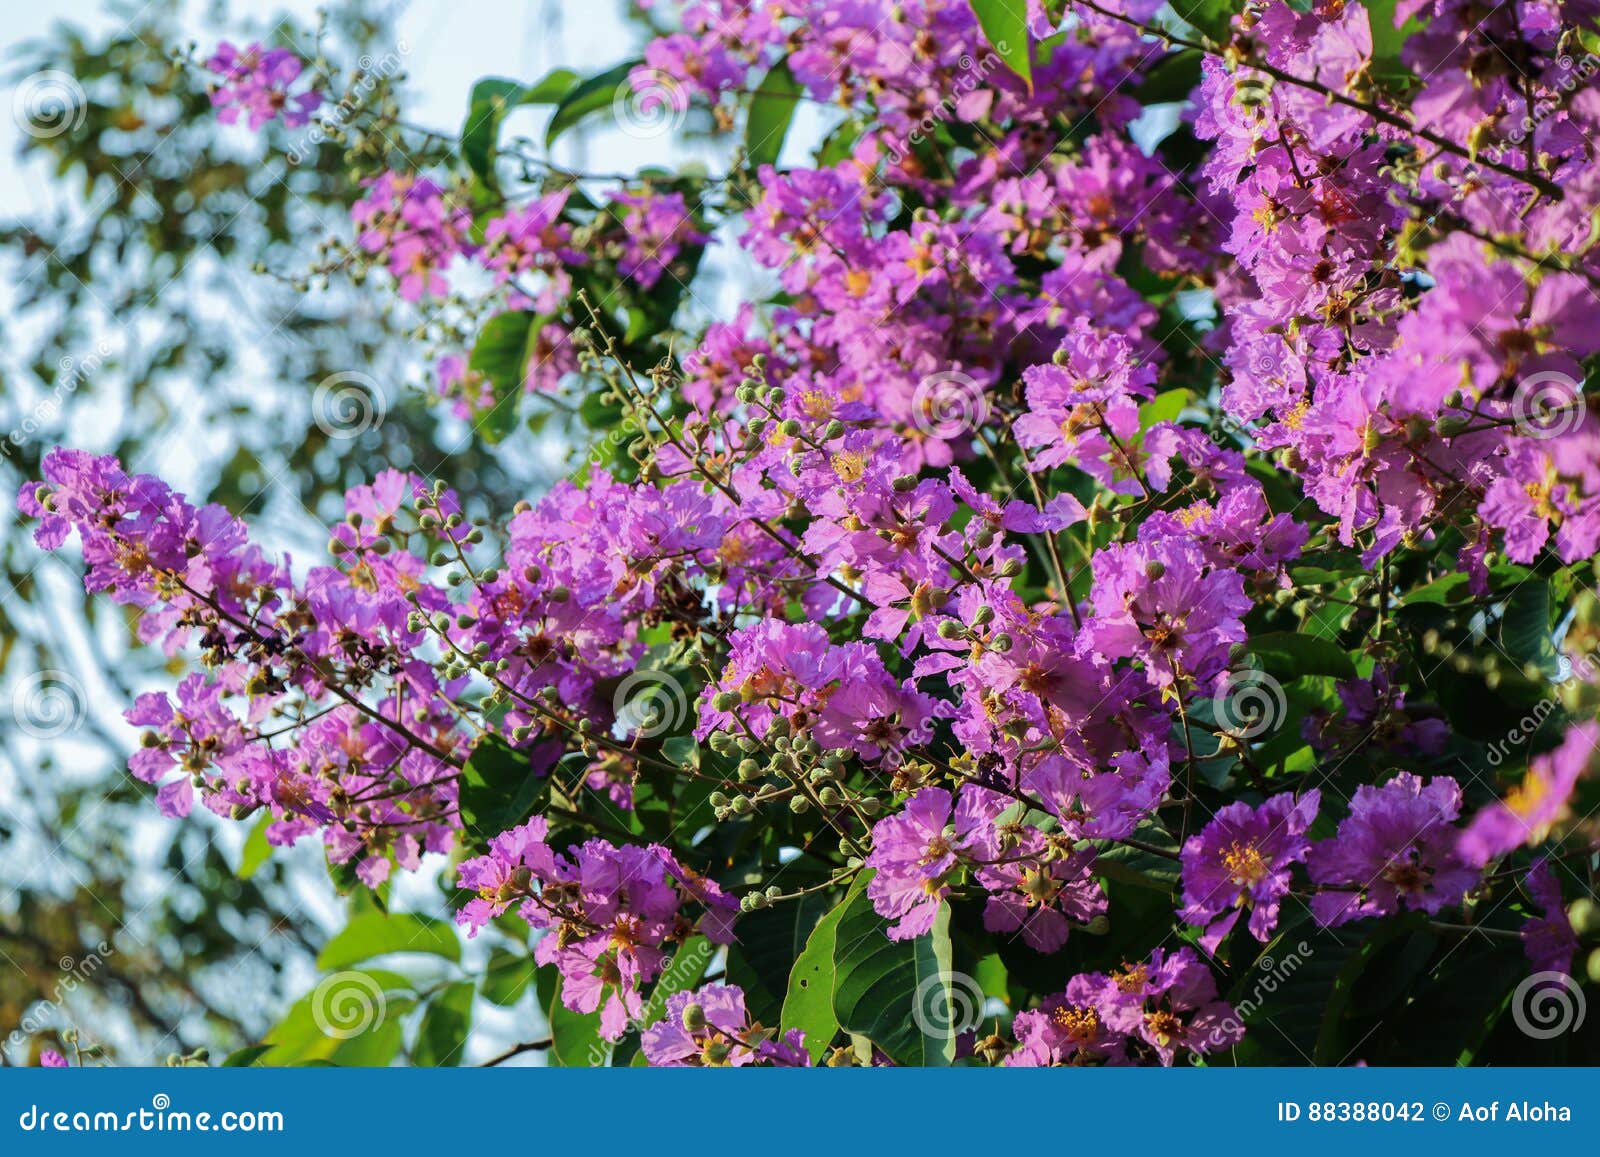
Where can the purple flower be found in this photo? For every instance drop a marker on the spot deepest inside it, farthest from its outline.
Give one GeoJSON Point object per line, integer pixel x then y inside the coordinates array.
{"type": "Point", "coordinates": [1061, 1032]}
{"type": "Point", "coordinates": [1548, 939]}
{"type": "Point", "coordinates": [915, 853]}
{"type": "Point", "coordinates": [709, 1028]}
{"type": "Point", "coordinates": [1042, 899]}
{"type": "Point", "coordinates": [1241, 859]}
{"type": "Point", "coordinates": [1395, 851]}
{"type": "Point", "coordinates": [1167, 1004]}
{"type": "Point", "coordinates": [1535, 805]}
{"type": "Point", "coordinates": [256, 82]}
{"type": "Point", "coordinates": [1162, 604]}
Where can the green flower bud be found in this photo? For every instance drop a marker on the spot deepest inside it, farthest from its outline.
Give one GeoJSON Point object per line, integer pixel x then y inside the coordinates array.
{"type": "Point", "coordinates": [694, 1017]}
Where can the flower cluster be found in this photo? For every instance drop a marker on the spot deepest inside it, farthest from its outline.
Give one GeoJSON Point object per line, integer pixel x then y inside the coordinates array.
{"type": "Point", "coordinates": [256, 82]}
{"type": "Point", "coordinates": [608, 913]}
{"type": "Point", "coordinates": [1163, 1007]}
{"type": "Point", "coordinates": [709, 1028]}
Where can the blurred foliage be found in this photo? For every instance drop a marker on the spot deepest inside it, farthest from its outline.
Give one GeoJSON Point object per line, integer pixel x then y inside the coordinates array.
{"type": "Point", "coordinates": [136, 326]}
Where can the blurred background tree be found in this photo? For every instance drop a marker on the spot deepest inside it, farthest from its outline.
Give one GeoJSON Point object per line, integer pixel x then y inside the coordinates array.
{"type": "Point", "coordinates": [135, 325]}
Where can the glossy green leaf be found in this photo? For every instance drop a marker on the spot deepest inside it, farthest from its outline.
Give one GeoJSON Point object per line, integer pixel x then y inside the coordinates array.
{"type": "Point", "coordinates": [501, 355]}
{"type": "Point", "coordinates": [886, 989]}
{"type": "Point", "coordinates": [373, 934]}
{"type": "Point", "coordinates": [508, 977]}
{"type": "Point", "coordinates": [1212, 17]}
{"type": "Point", "coordinates": [808, 1004]}
{"type": "Point", "coordinates": [772, 109]}
{"type": "Point", "coordinates": [1005, 27]}
{"type": "Point", "coordinates": [499, 787]}
{"type": "Point", "coordinates": [245, 1057]}
{"type": "Point", "coordinates": [586, 98]}
{"type": "Point", "coordinates": [492, 98]}
{"type": "Point", "coordinates": [1286, 655]}
{"type": "Point", "coordinates": [256, 849]}
{"type": "Point", "coordinates": [445, 1025]}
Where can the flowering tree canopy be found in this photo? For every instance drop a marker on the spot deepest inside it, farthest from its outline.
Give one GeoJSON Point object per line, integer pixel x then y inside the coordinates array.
{"type": "Point", "coordinates": [1116, 589]}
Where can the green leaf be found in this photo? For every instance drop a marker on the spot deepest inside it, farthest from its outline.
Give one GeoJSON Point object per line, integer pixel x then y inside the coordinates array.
{"type": "Point", "coordinates": [501, 355]}
{"type": "Point", "coordinates": [378, 934]}
{"type": "Point", "coordinates": [316, 1027]}
{"type": "Point", "coordinates": [1211, 17]}
{"type": "Point", "coordinates": [1387, 40]}
{"type": "Point", "coordinates": [1005, 26]}
{"type": "Point", "coordinates": [574, 1036]}
{"type": "Point", "coordinates": [508, 976]}
{"type": "Point", "coordinates": [770, 940]}
{"type": "Point", "coordinates": [375, 1048]}
{"type": "Point", "coordinates": [772, 109]}
{"type": "Point", "coordinates": [446, 1023]}
{"type": "Point", "coordinates": [256, 849]}
{"type": "Point", "coordinates": [1334, 1039]}
{"type": "Point", "coordinates": [1137, 867]}
{"type": "Point", "coordinates": [1286, 655]}
{"type": "Point", "coordinates": [1525, 627]}
{"type": "Point", "coordinates": [1450, 588]}
{"type": "Point", "coordinates": [808, 1004]}
{"type": "Point", "coordinates": [1174, 77]}
{"type": "Point", "coordinates": [492, 98]}
{"type": "Point", "coordinates": [245, 1057]}
{"type": "Point", "coordinates": [499, 788]}
{"type": "Point", "coordinates": [586, 98]}
{"type": "Point", "coordinates": [1164, 407]}
{"type": "Point", "coordinates": [879, 983]}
